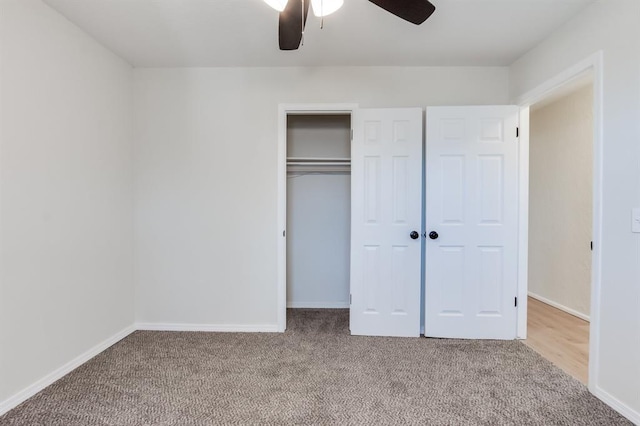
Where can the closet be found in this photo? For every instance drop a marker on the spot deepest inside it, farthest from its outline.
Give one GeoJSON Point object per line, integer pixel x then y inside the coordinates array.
{"type": "Point", "coordinates": [318, 210]}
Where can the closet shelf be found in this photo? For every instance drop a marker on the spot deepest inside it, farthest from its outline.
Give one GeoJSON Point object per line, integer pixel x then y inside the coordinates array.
{"type": "Point", "coordinates": [311, 163]}
{"type": "Point", "coordinates": [317, 161]}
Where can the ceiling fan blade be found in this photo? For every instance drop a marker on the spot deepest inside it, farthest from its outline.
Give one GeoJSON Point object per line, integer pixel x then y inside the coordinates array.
{"type": "Point", "coordinates": [291, 24]}
{"type": "Point", "coordinates": [414, 11]}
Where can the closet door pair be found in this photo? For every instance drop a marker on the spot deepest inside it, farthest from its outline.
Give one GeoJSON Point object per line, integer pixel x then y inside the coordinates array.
{"type": "Point", "coordinates": [471, 216]}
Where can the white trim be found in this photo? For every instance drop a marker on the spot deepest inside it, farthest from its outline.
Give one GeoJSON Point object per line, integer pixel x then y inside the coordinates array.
{"type": "Point", "coordinates": [617, 405]}
{"type": "Point", "coordinates": [593, 63]}
{"type": "Point", "coordinates": [318, 305]}
{"type": "Point", "coordinates": [554, 83]}
{"type": "Point", "coordinates": [67, 368]}
{"type": "Point", "coordinates": [596, 268]}
{"type": "Point", "coordinates": [559, 306]}
{"type": "Point", "coordinates": [523, 223]}
{"type": "Point", "coordinates": [317, 108]}
{"type": "Point", "coordinates": [283, 111]}
{"type": "Point", "coordinates": [215, 328]}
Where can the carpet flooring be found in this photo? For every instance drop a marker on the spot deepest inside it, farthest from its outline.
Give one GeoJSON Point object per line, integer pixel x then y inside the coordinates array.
{"type": "Point", "coordinates": [314, 374]}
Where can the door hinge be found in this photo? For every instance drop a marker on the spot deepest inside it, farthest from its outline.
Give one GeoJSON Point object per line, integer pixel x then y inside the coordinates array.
{"type": "Point", "coordinates": [351, 134]}
{"type": "Point", "coordinates": [591, 245]}
{"type": "Point", "coordinates": [284, 233]}
{"type": "Point", "coordinates": [517, 132]}
{"type": "Point", "coordinates": [349, 300]}
{"type": "Point", "coordinates": [515, 303]}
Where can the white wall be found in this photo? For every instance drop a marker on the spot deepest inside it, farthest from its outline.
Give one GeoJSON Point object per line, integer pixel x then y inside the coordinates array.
{"type": "Point", "coordinates": [65, 194]}
{"type": "Point", "coordinates": [318, 240]}
{"type": "Point", "coordinates": [610, 26]}
{"type": "Point", "coordinates": [318, 213]}
{"type": "Point", "coordinates": [206, 175]}
{"type": "Point", "coordinates": [561, 201]}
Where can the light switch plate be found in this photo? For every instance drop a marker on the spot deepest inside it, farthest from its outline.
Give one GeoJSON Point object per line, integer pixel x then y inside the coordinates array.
{"type": "Point", "coordinates": [635, 220]}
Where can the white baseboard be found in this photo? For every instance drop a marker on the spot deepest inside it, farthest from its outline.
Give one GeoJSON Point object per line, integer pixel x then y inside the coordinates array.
{"type": "Point", "coordinates": [318, 305]}
{"type": "Point", "coordinates": [52, 377]}
{"type": "Point", "coordinates": [561, 307]}
{"type": "Point", "coordinates": [218, 328]}
{"type": "Point", "coordinates": [617, 405]}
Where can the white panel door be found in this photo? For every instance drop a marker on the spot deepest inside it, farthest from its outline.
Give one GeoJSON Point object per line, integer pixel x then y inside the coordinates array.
{"type": "Point", "coordinates": [386, 208]}
{"type": "Point", "coordinates": [471, 249]}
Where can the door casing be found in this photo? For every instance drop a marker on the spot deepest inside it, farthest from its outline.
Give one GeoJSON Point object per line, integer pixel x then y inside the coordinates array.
{"type": "Point", "coordinates": [594, 64]}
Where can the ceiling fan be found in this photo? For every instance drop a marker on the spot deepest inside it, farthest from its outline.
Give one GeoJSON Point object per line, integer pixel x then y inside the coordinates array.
{"type": "Point", "coordinates": [293, 15]}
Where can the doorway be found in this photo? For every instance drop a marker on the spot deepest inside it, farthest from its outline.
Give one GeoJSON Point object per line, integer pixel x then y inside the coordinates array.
{"type": "Point", "coordinates": [561, 225]}
{"type": "Point", "coordinates": [318, 210]}
{"type": "Point", "coordinates": [313, 164]}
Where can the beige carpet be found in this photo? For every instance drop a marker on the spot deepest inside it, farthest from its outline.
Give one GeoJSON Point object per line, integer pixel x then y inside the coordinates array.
{"type": "Point", "coordinates": [313, 374]}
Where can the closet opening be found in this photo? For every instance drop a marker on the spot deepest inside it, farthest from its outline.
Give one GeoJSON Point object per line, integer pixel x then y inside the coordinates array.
{"type": "Point", "coordinates": [318, 219]}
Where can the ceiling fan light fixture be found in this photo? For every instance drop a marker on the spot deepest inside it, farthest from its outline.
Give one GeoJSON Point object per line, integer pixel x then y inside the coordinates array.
{"type": "Point", "coordinates": [278, 5]}
{"type": "Point", "coordinates": [325, 7]}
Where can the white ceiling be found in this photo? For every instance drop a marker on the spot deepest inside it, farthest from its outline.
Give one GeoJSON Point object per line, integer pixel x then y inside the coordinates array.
{"type": "Point", "coordinates": [203, 33]}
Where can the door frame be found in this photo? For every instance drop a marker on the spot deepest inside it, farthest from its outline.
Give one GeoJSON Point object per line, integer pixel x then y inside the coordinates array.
{"type": "Point", "coordinates": [285, 110]}
{"type": "Point", "coordinates": [593, 64]}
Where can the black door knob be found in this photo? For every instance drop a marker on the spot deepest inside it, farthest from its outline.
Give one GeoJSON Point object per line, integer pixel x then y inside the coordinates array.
{"type": "Point", "coordinates": [414, 235]}
{"type": "Point", "coordinates": [433, 235]}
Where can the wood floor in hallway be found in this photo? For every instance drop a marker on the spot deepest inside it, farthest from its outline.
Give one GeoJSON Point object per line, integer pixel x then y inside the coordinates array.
{"type": "Point", "coordinates": [560, 337]}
